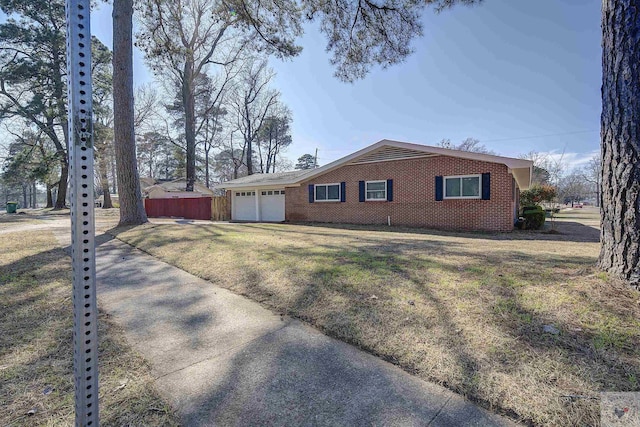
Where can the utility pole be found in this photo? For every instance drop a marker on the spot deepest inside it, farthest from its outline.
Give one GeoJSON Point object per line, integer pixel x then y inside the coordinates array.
{"type": "Point", "coordinates": [85, 311]}
{"type": "Point", "coordinates": [315, 159]}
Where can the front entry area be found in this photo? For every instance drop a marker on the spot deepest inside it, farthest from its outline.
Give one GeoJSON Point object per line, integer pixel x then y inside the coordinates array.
{"type": "Point", "coordinates": [258, 205]}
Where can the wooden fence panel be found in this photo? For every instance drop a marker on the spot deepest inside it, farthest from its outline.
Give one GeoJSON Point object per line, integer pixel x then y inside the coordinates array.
{"type": "Point", "coordinates": [188, 208]}
{"type": "Point", "coordinates": [220, 208]}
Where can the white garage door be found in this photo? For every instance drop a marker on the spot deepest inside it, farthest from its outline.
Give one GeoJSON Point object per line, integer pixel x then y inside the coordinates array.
{"type": "Point", "coordinates": [272, 205]}
{"type": "Point", "coordinates": [244, 206]}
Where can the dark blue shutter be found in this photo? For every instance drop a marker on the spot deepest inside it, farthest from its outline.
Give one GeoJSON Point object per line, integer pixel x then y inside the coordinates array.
{"type": "Point", "coordinates": [311, 193]}
{"type": "Point", "coordinates": [389, 190]}
{"type": "Point", "coordinates": [361, 186]}
{"type": "Point", "coordinates": [439, 188]}
{"type": "Point", "coordinates": [486, 186]}
{"type": "Point", "coordinates": [343, 187]}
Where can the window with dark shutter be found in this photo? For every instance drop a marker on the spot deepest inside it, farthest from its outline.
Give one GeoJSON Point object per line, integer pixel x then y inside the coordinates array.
{"type": "Point", "coordinates": [486, 186]}
{"type": "Point", "coordinates": [462, 187]}
{"type": "Point", "coordinates": [439, 188]}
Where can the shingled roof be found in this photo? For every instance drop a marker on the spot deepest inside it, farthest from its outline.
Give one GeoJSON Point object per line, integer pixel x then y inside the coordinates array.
{"type": "Point", "coordinates": [384, 150]}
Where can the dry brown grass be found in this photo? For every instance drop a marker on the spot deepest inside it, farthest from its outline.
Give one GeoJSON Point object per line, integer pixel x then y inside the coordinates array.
{"type": "Point", "coordinates": [462, 309]}
{"type": "Point", "coordinates": [12, 220]}
{"type": "Point", "coordinates": [36, 339]}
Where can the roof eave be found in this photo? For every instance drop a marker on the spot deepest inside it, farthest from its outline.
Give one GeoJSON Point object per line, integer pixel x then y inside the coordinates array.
{"type": "Point", "coordinates": [522, 177]}
{"type": "Point", "coordinates": [523, 180]}
{"type": "Point", "coordinates": [229, 185]}
{"type": "Point", "coordinates": [490, 158]}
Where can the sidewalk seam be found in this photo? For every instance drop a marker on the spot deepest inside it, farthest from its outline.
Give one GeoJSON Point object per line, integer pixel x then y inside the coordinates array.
{"type": "Point", "coordinates": [439, 411]}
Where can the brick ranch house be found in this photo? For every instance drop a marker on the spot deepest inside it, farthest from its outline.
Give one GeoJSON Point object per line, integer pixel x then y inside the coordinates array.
{"type": "Point", "coordinates": [390, 182]}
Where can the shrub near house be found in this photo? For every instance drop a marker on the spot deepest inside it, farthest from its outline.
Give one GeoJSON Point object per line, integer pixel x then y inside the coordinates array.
{"type": "Point", "coordinates": [532, 212]}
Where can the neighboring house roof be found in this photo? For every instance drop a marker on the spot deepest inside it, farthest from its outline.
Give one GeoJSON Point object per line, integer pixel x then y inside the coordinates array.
{"type": "Point", "coordinates": [386, 150]}
{"type": "Point", "coordinates": [264, 179]}
{"type": "Point", "coordinates": [178, 185]}
{"type": "Point", "coordinates": [146, 182]}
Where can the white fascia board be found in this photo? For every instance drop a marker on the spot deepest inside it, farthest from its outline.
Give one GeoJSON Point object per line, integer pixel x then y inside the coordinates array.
{"type": "Point", "coordinates": [270, 186]}
{"type": "Point", "coordinates": [508, 161]}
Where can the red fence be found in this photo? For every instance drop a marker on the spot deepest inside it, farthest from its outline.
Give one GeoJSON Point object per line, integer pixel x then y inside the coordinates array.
{"type": "Point", "coordinates": [188, 208]}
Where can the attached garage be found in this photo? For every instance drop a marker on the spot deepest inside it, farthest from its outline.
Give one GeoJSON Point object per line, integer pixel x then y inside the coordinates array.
{"type": "Point", "coordinates": [258, 205]}
{"type": "Point", "coordinates": [260, 197]}
{"type": "Point", "coordinates": [244, 206]}
{"type": "Point", "coordinates": [272, 205]}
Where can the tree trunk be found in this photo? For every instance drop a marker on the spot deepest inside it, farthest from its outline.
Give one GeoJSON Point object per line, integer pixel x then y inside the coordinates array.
{"type": "Point", "coordinates": [34, 191]}
{"type": "Point", "coordinates": [188, 101]}
{"type": "Point", "coordinates": [260, 157]}
{"type": "Point", "coordinates": [206, 164]}
{"type": "Point", "coordinates": [104, 180]}
{"type": "Point", "coordinates": [131, 207]}
{"type": "Point", "coordinates": [249, 158]}
{"type": "Point", "coordinates": [61, 147]}
{"type": "Point", "coordinates": [49, 197]}
{"type": "Point", "coordinates": [114, 174]}
{"type": "Point", "coordinates": [620, 135]}
{"type": "Point", "coordinates": [61, 199]}
{"type": "Point", "coordinates": [25, 204]}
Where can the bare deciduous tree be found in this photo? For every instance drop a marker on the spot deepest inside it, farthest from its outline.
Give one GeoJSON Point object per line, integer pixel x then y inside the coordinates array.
{"type": "Point", "coordinates": [468, 144]}
{"type": "Point", "coordinates": [591, 173]}
{"type": "Point", "coordinates": [274, 137]}
{"type": "Point", "coordinates": [540, 175]}
{"type": "Point", "coordinates": [182, 39]}
{"type": "Point", "coordinates": [252, 101]}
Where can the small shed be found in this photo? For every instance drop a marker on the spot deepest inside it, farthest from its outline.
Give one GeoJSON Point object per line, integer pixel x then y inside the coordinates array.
{"type": "Point", "coordinates": [169, 199]}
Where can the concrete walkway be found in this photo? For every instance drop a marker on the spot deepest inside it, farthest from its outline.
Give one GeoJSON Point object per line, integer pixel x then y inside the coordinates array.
{"type": "Point", "coordinates": [221, 359]}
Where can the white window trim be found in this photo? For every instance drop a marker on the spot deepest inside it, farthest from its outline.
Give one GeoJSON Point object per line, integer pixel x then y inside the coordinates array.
{"type": "Point", "coordinates": [327, 185]}
{"type": "Point", "coordinates": [366, 191]}
{"type": "Point", "coordinates": [444, 186]}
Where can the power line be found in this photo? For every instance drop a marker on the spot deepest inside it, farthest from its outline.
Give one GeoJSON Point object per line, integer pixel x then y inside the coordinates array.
{"type": "Point", "coordinates": [541, 136]}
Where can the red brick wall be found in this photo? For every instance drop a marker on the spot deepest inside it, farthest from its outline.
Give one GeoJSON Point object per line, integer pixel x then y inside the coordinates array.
{"type": "Point", "coordinates": [414, 201]}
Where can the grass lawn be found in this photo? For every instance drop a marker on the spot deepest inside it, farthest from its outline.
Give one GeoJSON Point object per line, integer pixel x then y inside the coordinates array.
{"type": "Point", "coordinates": [462, 309]}
{"type": "Point", "coordinates": [36, 357]}
{"type": "Point", "coordinates": [8, 221]}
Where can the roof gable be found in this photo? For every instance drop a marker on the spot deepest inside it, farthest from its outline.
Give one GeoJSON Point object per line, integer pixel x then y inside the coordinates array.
{"type": "Point", "coordinates": [387, 150]}
{"type": "Point", "coordinates": [387, 153]}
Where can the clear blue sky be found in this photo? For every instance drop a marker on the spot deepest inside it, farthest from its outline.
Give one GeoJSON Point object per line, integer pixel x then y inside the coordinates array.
{"type": "Point", "coordinates": [517, 75]}
{"type": "Point", "coordinates": [499, 71]}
